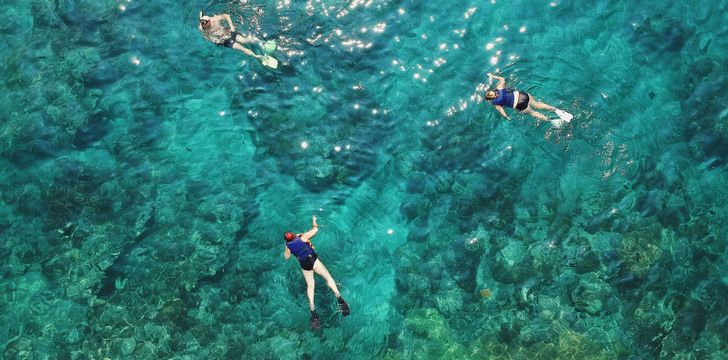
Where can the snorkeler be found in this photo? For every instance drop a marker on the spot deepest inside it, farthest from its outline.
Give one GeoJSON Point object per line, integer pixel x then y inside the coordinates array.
{"type": "Point", "coordinates": [520, 100]}
{"type": "Point", "coordinates": [213, 30]}
{"type": "Point", "coordinates": [300, 246]}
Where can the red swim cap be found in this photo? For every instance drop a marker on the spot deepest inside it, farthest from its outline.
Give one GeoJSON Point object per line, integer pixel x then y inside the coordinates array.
{"type": "Point", "coordinates": [288, 236]}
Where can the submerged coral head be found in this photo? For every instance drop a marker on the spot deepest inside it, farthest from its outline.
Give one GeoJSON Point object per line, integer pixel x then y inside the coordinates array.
{"type": "Point", "coordinates": [486, 293]}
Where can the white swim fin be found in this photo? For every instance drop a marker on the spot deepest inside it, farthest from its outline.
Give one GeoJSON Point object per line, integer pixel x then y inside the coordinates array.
{"type": "Point", "coordinates": [563, 115]}
{"type": "Point", "coordinates": [270, 62]}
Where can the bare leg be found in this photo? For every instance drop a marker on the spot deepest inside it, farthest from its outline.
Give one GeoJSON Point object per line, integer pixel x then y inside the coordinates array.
{"type": "Point", "coordinates": [310, 287]}
{"type": "Point", "coordinates": [250, 39]}
{"type": "Point", "coordinates": [245, 50]}
{"type": "Point", "coordinates": [320, 269]}
{"type": "Point", "coordinates": [536, 114]}
{"type": "Point", "coordinates": [542, 105]}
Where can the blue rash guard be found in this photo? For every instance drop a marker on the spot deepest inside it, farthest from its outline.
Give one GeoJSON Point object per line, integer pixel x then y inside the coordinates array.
{"type": "Point", "coordinates": [504, 98]}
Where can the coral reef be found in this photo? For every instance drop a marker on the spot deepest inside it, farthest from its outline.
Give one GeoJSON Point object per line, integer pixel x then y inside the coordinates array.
{"type": "Point", "coordinates": [148, 175]}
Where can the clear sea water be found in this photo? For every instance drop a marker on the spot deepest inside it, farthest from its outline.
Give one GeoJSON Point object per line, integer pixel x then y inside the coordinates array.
{"type": "Point", "coordinates": [148, 176]}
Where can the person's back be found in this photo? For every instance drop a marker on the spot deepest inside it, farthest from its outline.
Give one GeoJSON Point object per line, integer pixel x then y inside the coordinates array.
{"type": "Point", "coordinates": [503, 97]}
{"type": "Point", "coordinates": [213, 30]}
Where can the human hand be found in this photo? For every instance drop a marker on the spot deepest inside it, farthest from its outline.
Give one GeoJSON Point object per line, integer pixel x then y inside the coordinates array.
{"type": "Point", "coordinates": [313, 221]}
{"type": "Point", "coordinates": [490, 75]}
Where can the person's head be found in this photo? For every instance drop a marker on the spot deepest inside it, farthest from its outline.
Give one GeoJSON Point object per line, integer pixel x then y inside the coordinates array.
{"type": "Point", "coordinates": [288, 236]}
{"type": "Point", "coordinates": [490, 95]}
{"type": "Point", "coordinates": [205, 22]}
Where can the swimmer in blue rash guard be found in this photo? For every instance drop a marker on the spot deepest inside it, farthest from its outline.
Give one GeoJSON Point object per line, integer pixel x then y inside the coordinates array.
{"type": "Point", "coordinates": [503, 97]}
{"type": "Point", "coordinates": [300, 246]}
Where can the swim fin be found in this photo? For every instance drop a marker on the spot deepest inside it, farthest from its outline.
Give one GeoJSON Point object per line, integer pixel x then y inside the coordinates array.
{"type": "Point", "coordinates": [269, 47]}
{"type": "Point", "coordinates": [343, 306]}
{"type": "Point", "coordinates": [563, 115]}
{"type": "Point", "coordinates": [315, 323]}
{"type": "Point", "coordinates": [269, 61]}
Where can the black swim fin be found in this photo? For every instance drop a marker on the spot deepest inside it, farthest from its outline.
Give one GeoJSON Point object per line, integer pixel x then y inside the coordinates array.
{"type": "Point", "coordinates": [343, 306]}
{"type": "Point", "coordinates": [315, 323]}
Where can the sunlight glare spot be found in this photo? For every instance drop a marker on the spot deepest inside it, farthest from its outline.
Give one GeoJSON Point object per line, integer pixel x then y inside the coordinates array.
{"type": "Point", "coordinates": [522, 29]}
{"type": "Point", "coordinates": [489, 46]}
{"type": "Point", "coordinates": [401, 11]}
{"type": "Point", "coordinates": [304, 145]}
{"type": "Point", "coordinates": [469, 13]}
{"type": "Point", "coordinates": [390, 231]}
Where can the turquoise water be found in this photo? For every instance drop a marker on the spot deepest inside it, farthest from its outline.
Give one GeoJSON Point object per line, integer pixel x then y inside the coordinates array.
{"type": "Point", "coordinates": [147, 178]}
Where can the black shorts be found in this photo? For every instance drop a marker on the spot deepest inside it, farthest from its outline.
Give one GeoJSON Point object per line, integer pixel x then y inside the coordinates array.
{"type": "Point", "coordinates": [523, 100]}
{"type": "Point", "coordinates": [308, 261]}
{"type": "Point", "coordinates": [230, 41]}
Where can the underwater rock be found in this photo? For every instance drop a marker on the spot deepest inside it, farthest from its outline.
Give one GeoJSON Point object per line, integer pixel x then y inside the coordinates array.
{"type": "Point", "coordinates": [415, 206]}
{"type": "Point", "coordinates": [432, 335]}
{"type": "Point", "coordinates": [586, 260]}
{"type": "Point", "coordinates": [450, 299]}
{"type": "Point", "coordinates": [513, 263]}
{"type": "Point", "coordinates": [316, 174]}
{"type": "Point", "coordinates": [85, 11]}
{"type": "Point", "coordinates": [661, 33]}
{"type": "Point", "coordinates": [651, 321]}
{"type": "Point", "coordinates": [591, 294]}
{"type": "Point", "coordinates": [478, 241]}
{"type": "Point", "coordinates": [127, 346]}
{"type": "Point", "coordinates": [640, 249]}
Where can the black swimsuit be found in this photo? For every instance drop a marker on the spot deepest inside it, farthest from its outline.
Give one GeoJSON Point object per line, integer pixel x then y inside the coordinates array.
{"type": "Point", "coordinates": [523, 100]}
{"type": "Point", "coordinates": [230, 41]}
{"type": "Point", "coordinates": [308, 261]}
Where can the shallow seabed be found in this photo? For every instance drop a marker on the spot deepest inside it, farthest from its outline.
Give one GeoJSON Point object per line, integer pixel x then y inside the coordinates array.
{"type": "Point", "coordinates": [147, 178]}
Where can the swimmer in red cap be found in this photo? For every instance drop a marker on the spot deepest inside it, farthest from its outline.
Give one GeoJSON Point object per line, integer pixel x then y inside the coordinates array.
{"type": "Point", "coordinates": [300, 246]}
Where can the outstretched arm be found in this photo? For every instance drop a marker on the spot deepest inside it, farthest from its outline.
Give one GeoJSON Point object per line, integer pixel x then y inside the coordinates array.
{"type": "Point", "coordinates": [287, 253]}
{"type": "Point", "coordinates": [502, 112]}
{"type": "Point", "coordinates": [501, 81]}
{"type": "Point", "coordinates": [314, 229]}
{"type": "Point", "coordinates": [229, 21]}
